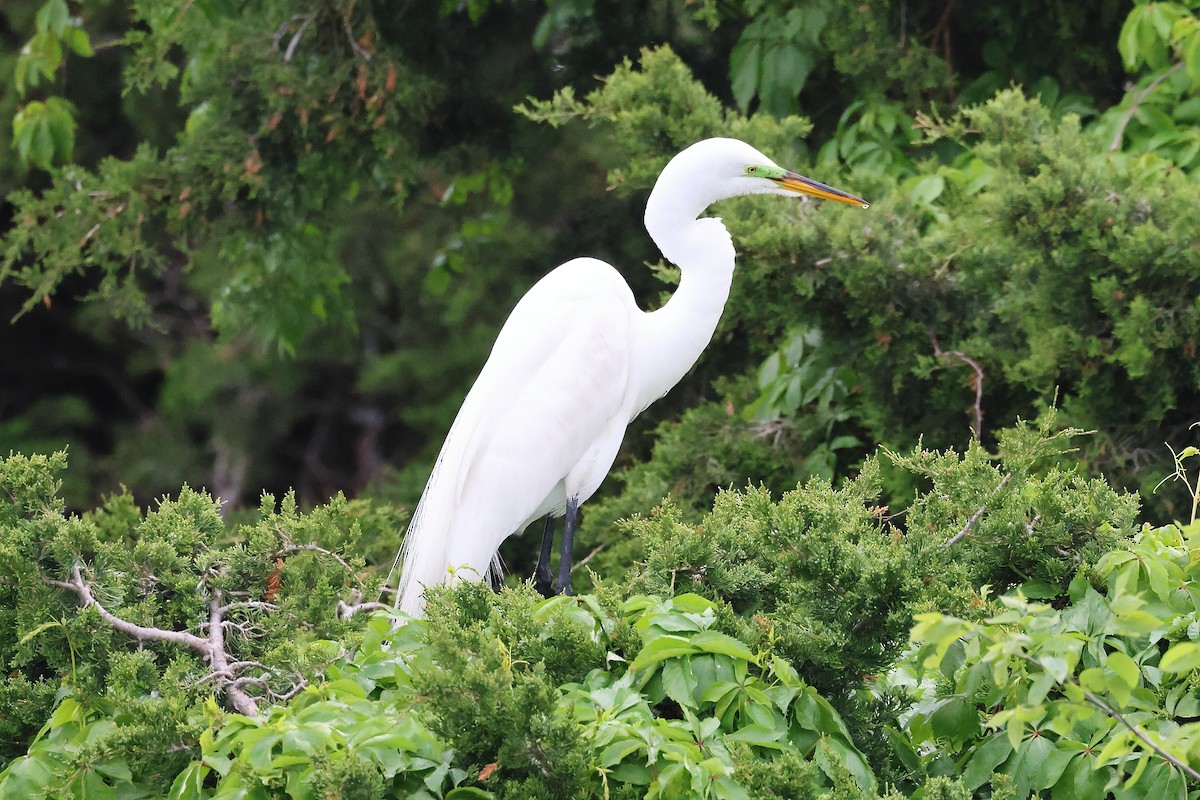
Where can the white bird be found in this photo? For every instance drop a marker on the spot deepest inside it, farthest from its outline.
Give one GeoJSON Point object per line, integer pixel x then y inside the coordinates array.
{"type": "Point", "coordinates": [573, 365]}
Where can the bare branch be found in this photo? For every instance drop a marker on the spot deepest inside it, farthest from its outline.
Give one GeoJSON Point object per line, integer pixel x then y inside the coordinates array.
{"type": "Point", "coordinates": [974, 517]}
{"type": "Point", "coordinates": [1115, 144]}
{"type": "Point", "coordinates": [312, 548]}
{"type": "Point", "coordinates": [1136, 731]}
{"type": "Point", "coordinates": [977, 425]}
{"type": "Point", "coordinates": [347, 610]}
{"type": "Point", "coordinates": [588, 557]}
{"type": "Point", "coordinates": [218, 659]}
{"type": "Point", "coordinates": [238, 604]}
{"type": "Point", "coordinates": [291, 48]}
{"type": "Point", "coordinates": [139, 632]}
{"type": "Point", "coordinates": [363, 52]}
{"type": "Point", "coordinates": [212, 648]}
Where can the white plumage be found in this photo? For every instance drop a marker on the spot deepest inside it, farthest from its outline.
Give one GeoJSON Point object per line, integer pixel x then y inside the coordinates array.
{"type": "Point", "coordinates": [575, 362]}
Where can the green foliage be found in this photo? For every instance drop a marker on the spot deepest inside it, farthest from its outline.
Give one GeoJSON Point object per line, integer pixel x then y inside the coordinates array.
{"type": "Point", "coordinates": [1160, 43]}
{"type": "Point", "coordinates": [774, 56]}
{"type": "Point", "coordinates": [317, 121]}
{"type": "Point", "coordinates": [694, 713]}
{"type": "Point", "coordinates": [832, 580]}
{"type": "Point", "coordinates": [44, 131]}
{"type": "Point", "coordinates": [658, 109]}
{"type": "Point", "coordinates": [82, 595]}
{"type": "Point", "coordinates": [1097, 695]}
{"type": "Point", "coordinates": [760, 655]}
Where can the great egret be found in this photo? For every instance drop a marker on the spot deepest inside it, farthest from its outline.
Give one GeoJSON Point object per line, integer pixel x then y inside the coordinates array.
{"type": "Point", "coordinates": [576, 361]}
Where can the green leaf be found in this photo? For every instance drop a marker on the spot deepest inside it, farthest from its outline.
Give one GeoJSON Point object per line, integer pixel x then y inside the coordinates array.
{"type": "Point", "coordinates": [1128, 40]}
{"type": "Point", "coordinates": [189, 784]}
{"type": "Point", "coordinates": [616, 752]}
{"type": "Point", "coordinates": [692, 603]}
{"type": "Point", "coordinates": [469, 793]}
{"type": "Point", "coordinates": [53, 16]}
{"type": "Point", "coordinates": [714, 642]}
{"type": "Point", "coordinates": [745, 67]}
{"type": "Point", "coordinates": [43, 627]}
{"type": "Point", "coordinates": [29, 776]}
{"type": "Point", "coordinates": [117, 768]}
{"type": "Point", "coordinates": [985, 759]}
{"type": "Point", "coordinates": [678, 682]}
{"type": "Point", "coordinates": [662, 648]}
{"type": "Point", "coordinates": [78, 41]}
{"type": "Point", "coordinates": [760, 735]}
{"type": "Point", "coordinates": [956, 719]}
{"type": "Point", "coordinates": [1182, 657]}
{"type": "Point", "coordinates": [785, 69]}
{"type": "Point", "coordinates": [90, 786]}
{"type": "Point", "coordinates": [1124, 668]}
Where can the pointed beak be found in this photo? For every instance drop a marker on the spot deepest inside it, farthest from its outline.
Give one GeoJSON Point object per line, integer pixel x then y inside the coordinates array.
{"type": "Point", "coordinates": [799, 184]}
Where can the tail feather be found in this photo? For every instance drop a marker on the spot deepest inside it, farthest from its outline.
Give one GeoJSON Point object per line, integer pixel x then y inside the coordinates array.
{"type": "Point", "coordinates": [423, 555]}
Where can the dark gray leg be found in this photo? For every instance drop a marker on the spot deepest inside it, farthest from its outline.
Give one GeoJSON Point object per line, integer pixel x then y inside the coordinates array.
{"type": "Point", "coordinates": [568, 544]}
{"type": "Point", "coordinates": [542, 576]}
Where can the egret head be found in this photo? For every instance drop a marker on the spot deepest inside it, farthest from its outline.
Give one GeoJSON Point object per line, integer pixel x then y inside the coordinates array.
{"type": "Point", "coordinates": [718, 168]}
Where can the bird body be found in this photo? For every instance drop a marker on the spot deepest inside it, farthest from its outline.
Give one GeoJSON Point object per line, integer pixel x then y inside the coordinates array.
{"type": "Point", "coordinates": [573, 365]}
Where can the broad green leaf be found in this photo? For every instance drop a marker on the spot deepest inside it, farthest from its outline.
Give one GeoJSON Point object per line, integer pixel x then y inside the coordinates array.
{"type": "Point", "coordinates": [678, 682]}
{"type": "Point", "coordinates": [53, 16]}
{"type": "Point", "coordinates": [1026, 763]}
{"type": "Point", "coordinates": [956, 719]}
{"type": "Point", "coordinates": [903, 749]}
{"type": "Point", "coordinates": [714, 642]}
{"type": "Point", "coordinates": [986, 758]}
{"type": "Point", "coordinates": [745, 68]}
{"type": "Point", "coordinates": [724, 787]}
{"type": "Point", "coordinates": [1182, 657]}
{"type": "Point", "coordinates": [90, 786]}
{"type": "Point", "coordinates": [662, 648]}
{"type": "Point", "coordinates": [760, 735]}
{"type": "Point", "coordinates": [1081, 779]}
{"type": "Point", "coordinates": [29, 776]}
{"type": "Point", "coordinates": [1124, 668]}
{"type": "Point", "coordinates": [616, 752]}
{"type": "Point", "coordinates": [77, 39]}
{"type": "Point", "coordinates": [189, 784]}
{"type": "Point", "coordinates": [117, 768]}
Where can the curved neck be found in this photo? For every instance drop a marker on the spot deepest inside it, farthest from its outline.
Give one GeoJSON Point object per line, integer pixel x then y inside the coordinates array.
{"type": "Point", "coordinates": [676, 334]}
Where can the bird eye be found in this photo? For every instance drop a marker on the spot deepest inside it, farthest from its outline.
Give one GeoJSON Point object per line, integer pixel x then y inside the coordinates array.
{"type": "Point", "coordinates": [751, 170]}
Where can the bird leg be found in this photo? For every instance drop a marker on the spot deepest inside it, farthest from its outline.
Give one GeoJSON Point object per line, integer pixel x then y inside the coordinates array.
{"type": "Point", "coordinates": [542, 577]}
{"type": "Point", "coordinates": [568, 543]}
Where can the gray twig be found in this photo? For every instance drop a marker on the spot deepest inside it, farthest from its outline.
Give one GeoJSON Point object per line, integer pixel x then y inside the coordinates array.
{"type": "Point", "coordinates": [974, 517]}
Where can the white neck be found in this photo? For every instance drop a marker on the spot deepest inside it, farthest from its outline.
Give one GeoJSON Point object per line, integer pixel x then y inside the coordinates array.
{"type": "Point", "coordinates": [674, 336]}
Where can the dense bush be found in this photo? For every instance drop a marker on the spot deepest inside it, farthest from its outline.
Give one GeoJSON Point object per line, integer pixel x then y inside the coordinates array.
{"type": "Point", "coordinates": [763, 652]}
{"type": "Point", "coordinates": [82, 597]}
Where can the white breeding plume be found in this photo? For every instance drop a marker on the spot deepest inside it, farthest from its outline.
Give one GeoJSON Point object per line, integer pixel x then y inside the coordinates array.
{"type": "Point", "coordinates": [576, 361]}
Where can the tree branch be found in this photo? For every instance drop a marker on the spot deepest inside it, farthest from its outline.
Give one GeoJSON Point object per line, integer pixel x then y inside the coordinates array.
{"type": "Point", "coordinates": [1136, 731]}
{"type": "Point", "coordinates": [977, 425]}
{"type": "Point", "coordinates": [312, 548]}
{"type": "Point", "coordinates": [974, 517]}
{"type": "Point", "coordinates": [210, 648]}
{"type": "Point", "coordinates": [139, 632]}
{"type": "Point", "coordinates": [1115, 144]}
